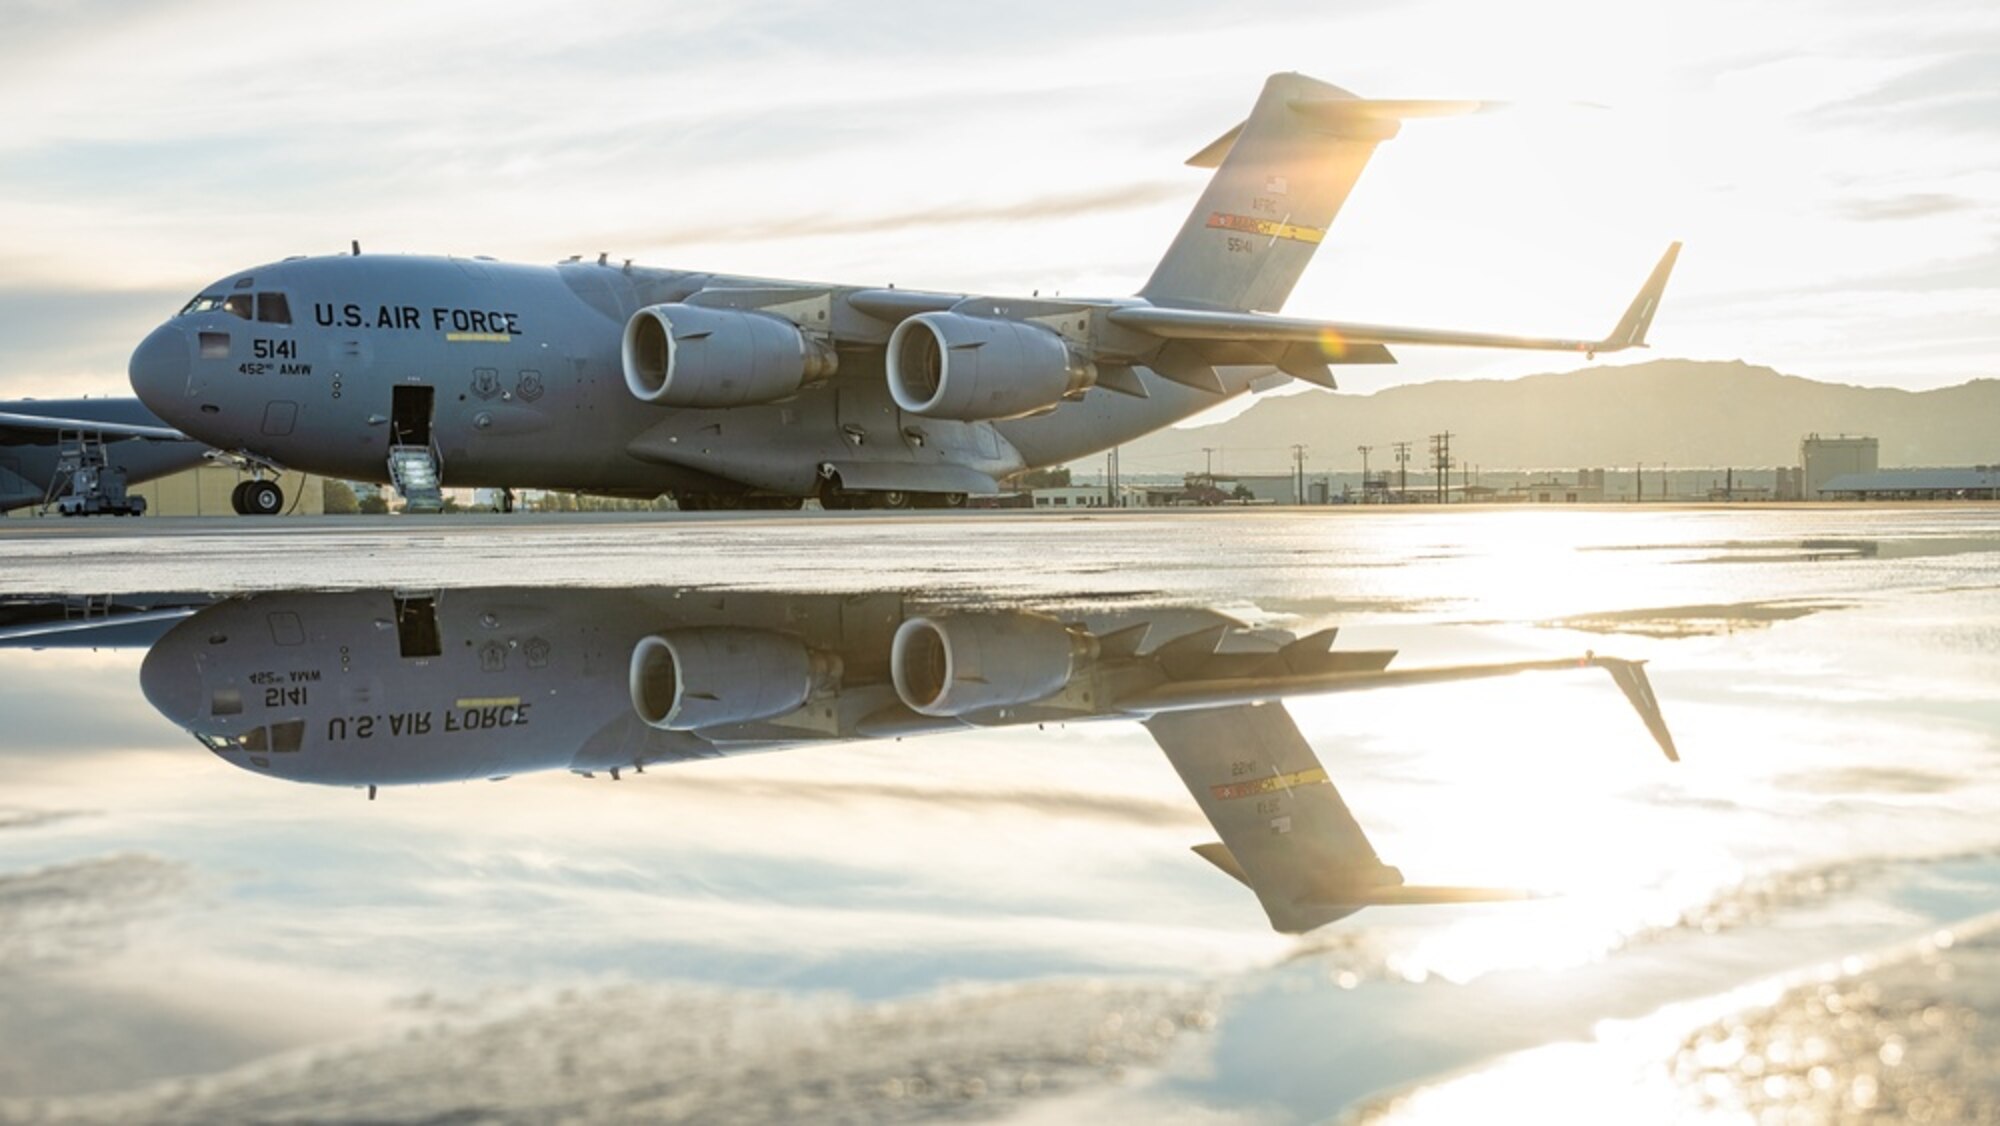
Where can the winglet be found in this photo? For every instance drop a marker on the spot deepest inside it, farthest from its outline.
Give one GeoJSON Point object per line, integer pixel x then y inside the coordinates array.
{"type": "Point", "coordinates": [1631, 678]}
{"type": "Point", "coordinates": [1631, 330]}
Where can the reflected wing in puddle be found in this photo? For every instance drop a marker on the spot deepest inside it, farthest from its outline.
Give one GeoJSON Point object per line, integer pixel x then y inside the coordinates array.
{"type": "Point", "coordinates": [381, 688]}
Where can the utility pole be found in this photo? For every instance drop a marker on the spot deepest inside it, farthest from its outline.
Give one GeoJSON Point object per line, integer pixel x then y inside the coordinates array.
{"type": "Point", "coordinates": [1441, 463]}
{"type": "Point", "coordinates": [1403, 471]}
{"type": "Point", "coordinates": [1365, 451]}
{"type": "Point", "coordinates": [1298, 474]}
{"type": "Point", "coordinates": [1209, 452]}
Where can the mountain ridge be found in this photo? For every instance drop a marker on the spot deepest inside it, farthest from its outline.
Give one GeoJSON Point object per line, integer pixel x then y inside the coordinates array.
{"type": "Point", "coordinates": [1681, 412]}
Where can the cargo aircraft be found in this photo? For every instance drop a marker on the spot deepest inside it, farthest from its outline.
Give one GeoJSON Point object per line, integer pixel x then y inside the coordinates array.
{"type": "Point", "coordinates": [372, 688]}
{"type": "Point", "coordinates": [741, 392]}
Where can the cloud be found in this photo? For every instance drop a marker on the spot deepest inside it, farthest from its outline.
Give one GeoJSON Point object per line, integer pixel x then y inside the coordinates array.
{"type": "Point", "coordinates": [74, 911]}
{"type": "Point", "coordinates": [1953, 94]}
{"type": "Point", "coordinates": [1064, 206]}
{"type": "Point", "coordinates": [1911, 205]}
{"type": "Point", "coordinates": [57, 331]}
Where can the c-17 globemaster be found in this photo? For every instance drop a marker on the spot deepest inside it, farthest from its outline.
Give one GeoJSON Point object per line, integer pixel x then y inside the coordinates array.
{"type": "Point", "coordinates": [732, 392]}
{"type": "Point", "coordinates": [376, 688]}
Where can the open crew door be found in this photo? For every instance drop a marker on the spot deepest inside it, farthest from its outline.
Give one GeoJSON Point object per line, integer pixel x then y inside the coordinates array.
{"type": "Point", "coordinates": [410, 410]}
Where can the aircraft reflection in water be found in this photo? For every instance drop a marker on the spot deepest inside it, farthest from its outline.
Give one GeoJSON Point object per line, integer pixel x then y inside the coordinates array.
{"type": "Point", "coordinates": [379, 688]}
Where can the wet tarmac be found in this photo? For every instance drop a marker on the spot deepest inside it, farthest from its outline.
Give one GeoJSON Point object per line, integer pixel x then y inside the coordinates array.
{"type": "Point", "coordinates": [1212, 817]}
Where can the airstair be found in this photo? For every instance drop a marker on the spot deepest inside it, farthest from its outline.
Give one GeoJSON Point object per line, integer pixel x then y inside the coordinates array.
{"type": "Point", "coordinates": [88, 483]}
{"type": "Point", "coordinates": [414, 472]}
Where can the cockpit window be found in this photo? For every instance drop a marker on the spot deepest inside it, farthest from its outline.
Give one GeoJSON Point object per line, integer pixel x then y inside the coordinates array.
{"type": "Point", "coordinates": [270, 308]}
{"type": "Point", "coordinates": [279, 737]}
{"type": "Point", "coordinates": [282, 738]}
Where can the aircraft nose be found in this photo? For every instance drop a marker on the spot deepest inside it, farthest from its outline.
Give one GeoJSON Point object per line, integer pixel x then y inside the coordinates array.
{"type": "Point", "coordinates": [159, 369]}
{"type": "Point", "coordinates": [171, 682]}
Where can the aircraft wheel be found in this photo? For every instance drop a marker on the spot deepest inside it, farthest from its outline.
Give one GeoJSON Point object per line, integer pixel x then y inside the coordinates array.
{"type": "Point", "coordinates": [893, 498]}
{"type": "Point", "coordinates": [263, 498]}
{"type": "Point", "coordinates": [236, 498]}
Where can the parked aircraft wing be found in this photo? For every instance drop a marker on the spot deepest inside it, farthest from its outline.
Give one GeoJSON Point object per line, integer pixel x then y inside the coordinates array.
{"type": "Point", "coordinates": [1193, 693]}
{"type": "Point", "coordinates": [1346, 342]}
{"type": "Point", "coordinates": [40, 430]}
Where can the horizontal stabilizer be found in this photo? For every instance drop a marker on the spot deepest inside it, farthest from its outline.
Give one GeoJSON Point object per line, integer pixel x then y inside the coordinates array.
{"type": "Point", "coordinates": [1407, 896]}
{"type": "Point", "coordinates": [1218, 854]}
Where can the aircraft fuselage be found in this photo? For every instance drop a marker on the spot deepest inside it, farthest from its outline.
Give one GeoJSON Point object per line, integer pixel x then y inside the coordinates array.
{"type": "Point", "coordinates": [514, 375]}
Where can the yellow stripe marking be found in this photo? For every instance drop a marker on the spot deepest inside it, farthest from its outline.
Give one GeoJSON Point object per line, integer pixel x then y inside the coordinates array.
{"type": "Point", "coordinates": [1266, 785]}
{"type": "Point", "coordinates": [478, 337]}
{"type": "Point", "coordinates": [488, 702]}
{"type": "Point", "coordinates": [1269, 228]}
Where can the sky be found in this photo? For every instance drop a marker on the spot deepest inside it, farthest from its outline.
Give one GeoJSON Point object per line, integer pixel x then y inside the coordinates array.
{"type": "Point", "coordinates": [1831, 166]}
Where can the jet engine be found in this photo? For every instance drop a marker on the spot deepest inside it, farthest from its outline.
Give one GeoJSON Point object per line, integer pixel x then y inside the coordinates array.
{"type": "Point", "coordinates": [694, 356]}
{"type": "Point", "coordinates": [689, 679]}
{"type": "Point", "coordinates": [962, 663]}
{"type": "Point", "coordinates": [949, 365]}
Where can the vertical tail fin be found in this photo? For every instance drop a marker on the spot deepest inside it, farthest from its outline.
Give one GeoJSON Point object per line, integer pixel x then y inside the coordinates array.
{"type": "Point", "coordinates": [1280, 179]}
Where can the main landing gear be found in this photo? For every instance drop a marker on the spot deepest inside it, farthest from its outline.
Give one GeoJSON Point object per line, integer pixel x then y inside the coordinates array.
{"type": "Point", "coordinates": [838, 500]}
{"type": "Point", "coordinates": [257, 498]}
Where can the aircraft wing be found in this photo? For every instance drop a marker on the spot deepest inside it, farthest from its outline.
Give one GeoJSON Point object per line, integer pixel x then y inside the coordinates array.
{"type": "Point", "coordinates": [42, 430]}
{"type": "Point", "coordinates": [1200, 692]}
{"type": "Point", "coordinates": [1286, 833]}
{"type": "Point", "coordinates": [1306, 341]}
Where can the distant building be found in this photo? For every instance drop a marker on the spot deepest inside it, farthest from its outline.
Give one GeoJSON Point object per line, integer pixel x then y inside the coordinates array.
{"type": "Point", "coordinates": [1981, 482]}
{"type": "Point", "coordinates": [1823, 459]}
{"type": "Point", "coordinates": [1588, 488]}
{"type": "Point", "coordinates": [1072, 496]}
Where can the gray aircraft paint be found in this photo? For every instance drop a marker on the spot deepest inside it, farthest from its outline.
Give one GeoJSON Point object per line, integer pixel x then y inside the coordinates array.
{"type": "Point", "coordinates": [28, 455]}
{"type": "Point", "coordinates": [381, 688]}
{"type": "Point", "coordinates": [526, 367]}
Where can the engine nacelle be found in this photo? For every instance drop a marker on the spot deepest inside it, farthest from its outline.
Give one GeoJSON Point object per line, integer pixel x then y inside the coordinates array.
{"type": "Point", "coordinates": [695, 356]}
{"type": "Point", "coordinates": [949, 365]}
{"type": "Point", "coordinates": [689, 679]}
{"type": "Point", "coordinates": [962, 663]}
